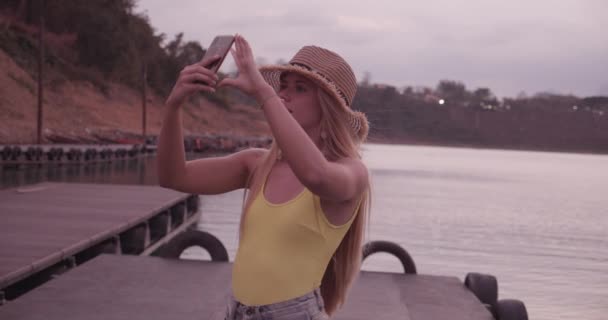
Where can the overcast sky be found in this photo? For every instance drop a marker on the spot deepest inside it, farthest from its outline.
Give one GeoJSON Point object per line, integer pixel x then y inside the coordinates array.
{"type": "Point", "coordinates": [558, 46]}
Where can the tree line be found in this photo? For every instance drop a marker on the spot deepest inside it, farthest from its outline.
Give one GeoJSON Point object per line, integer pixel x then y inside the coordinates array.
{"type": "Point", "coordinates": [108, 38]}
{"type": "Point", "coordinates": [451, 114]}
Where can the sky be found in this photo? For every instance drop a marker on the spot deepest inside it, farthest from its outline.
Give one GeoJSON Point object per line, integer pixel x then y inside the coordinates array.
{"type": "Point", "coordinates": [515, 46]}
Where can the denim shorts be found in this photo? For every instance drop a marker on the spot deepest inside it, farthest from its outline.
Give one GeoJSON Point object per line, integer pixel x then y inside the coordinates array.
{"type": "Point", "coordinates": [307, 307]}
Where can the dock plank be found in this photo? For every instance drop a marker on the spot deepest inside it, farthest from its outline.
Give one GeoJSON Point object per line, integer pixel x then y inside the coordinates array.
{"type": "Point", "coordinates": [151, 288]}
{"type": "Point", "coordinates": [423, 296]}
{"type": "Point", "coordinates": [42, 223]}
{"type": "Point", "coordinates": [128, 287]}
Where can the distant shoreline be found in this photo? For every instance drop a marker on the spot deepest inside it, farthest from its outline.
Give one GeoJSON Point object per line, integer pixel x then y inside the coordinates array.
{"type": "Point", "coordinates": [423, 143]}
{"type": "Point", "coordinates": [231, 143]}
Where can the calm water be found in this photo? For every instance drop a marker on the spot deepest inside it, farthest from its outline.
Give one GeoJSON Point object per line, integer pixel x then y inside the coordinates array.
{"type": "Point", "coordinates": [537, 221]}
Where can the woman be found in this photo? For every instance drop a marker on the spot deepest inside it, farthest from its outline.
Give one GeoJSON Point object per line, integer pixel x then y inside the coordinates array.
{"type": "Point", "coordinates": [303, 218]}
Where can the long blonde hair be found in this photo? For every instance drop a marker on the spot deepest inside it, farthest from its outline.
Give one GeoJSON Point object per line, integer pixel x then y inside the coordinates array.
{"type": "Point", "coordinates": [340, 142]}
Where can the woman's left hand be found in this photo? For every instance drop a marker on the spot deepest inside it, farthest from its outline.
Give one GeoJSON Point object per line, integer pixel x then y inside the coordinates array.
{"type": "Point", "coordinates": [250, 79]}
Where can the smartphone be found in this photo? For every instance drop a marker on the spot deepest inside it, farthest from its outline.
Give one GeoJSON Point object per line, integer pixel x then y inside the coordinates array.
{"type": "Point", "coordinates": [220, 46]}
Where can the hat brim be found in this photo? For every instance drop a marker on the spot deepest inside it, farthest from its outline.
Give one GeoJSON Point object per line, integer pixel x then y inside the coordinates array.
{"type": "Point", "coordinates": [272, 75]}
{"type": "Point", "coordinates": [358, 120]}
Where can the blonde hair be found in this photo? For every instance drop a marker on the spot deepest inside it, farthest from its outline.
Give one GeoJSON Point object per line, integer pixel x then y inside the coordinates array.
{"type": "Point", "coordinates": [340, 142]}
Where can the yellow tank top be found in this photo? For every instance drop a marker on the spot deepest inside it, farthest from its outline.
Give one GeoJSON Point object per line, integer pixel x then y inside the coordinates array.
{"type": "Point", "coordinates": [284, 249]}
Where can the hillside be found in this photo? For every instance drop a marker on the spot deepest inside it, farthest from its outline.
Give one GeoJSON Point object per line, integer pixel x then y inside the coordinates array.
{"type": "Point", "coordinates": [80, 107]}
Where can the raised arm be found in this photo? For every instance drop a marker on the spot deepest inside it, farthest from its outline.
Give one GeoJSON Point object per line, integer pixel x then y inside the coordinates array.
{"type": "Point", "coordinates": [203, 176]}
{"type": "Point", "coordinates": [334, 181]}
{"type": "Point", "coordinates": [337, 181]}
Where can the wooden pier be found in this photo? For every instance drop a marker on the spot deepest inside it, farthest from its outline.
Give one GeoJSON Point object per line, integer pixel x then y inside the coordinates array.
{"type": "Point", "coordinates": [151, 288]}
{"type": "Point", "coordinates": [49, 228]}
{"type": "Point", "coordinates": [79, 251]}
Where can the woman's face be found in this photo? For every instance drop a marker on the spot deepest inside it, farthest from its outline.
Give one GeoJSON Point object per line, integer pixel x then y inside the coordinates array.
{"type": "Point", "coordinates": [300, 97]}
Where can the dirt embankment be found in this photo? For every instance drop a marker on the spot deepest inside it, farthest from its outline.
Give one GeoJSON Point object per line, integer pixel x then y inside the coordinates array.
{"type": "Point", "coordinates": [78, 108]}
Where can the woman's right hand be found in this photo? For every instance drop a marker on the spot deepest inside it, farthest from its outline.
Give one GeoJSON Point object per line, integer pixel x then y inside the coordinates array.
{"type": "Point", "coordinates": [193, 78]}
{"type": "Point", "coordinates": [249, 79]}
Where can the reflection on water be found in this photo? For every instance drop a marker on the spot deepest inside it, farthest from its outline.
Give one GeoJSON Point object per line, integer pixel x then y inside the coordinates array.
{"type": "Point", "coordinates": [140, 171]}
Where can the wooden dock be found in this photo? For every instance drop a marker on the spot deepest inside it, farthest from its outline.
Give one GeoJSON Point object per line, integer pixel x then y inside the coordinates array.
{"type": "Point", "coordinates": [151, 288]}
{"type": "Point", "coordinates": [49, 228]}
{"type": "Point", "coordinates": [79, 251]}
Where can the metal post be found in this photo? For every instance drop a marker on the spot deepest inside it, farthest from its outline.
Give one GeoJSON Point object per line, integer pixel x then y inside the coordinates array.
{"type": "Point", "coordinates": [40, 63]}
{"type": "Point", "coordinates": [143, 98]}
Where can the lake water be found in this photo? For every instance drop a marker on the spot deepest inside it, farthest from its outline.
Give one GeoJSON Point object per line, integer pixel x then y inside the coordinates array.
{"type": "Point", "coordinates": [537, 221]}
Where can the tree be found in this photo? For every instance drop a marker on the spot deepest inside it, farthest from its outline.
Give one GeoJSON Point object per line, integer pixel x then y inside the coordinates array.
{"type": "Point", "coordinates": [483, 94]}
{"type": "Point", "coordinates": [408, 91]}
{"type": "Point", "coordinates": [172, 47]}
{"type": "Point", "coordinates": [483, 97]}
{"type": "Point", "coordinates": [452, 91]}
{"type": "Point", "coordinates": [367, 79]}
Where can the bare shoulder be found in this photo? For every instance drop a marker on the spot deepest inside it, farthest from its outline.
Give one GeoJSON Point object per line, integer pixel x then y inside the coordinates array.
{"type": "Point", "coordinates": [356, 166]}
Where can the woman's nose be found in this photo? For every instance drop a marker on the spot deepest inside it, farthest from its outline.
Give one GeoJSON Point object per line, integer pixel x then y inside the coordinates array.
{"type": "Point", "coordinates": [284, 95]}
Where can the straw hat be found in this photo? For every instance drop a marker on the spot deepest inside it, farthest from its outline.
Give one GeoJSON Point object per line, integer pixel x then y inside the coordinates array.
{"type": "Point", "coordinates": [331, 73]}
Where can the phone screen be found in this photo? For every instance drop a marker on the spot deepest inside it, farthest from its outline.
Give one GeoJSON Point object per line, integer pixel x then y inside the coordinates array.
{"type": "Point", "coordinates": [220, 46]}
